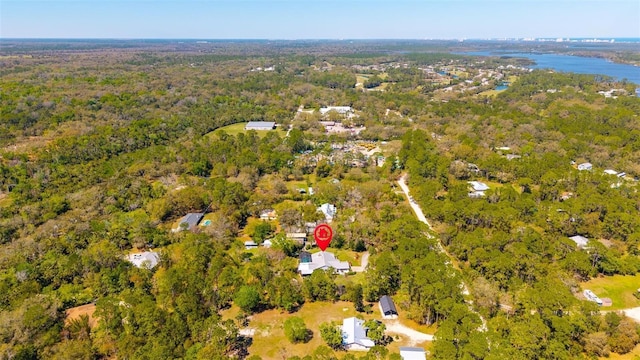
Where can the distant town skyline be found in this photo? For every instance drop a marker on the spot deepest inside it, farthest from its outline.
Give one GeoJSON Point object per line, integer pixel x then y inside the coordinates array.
{"type": "Point", "coordinates": [319, 19]}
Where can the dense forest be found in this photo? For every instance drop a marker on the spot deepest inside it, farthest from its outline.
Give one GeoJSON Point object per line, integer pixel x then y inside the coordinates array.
{"type": "Point", "coordinates": [104, 148]}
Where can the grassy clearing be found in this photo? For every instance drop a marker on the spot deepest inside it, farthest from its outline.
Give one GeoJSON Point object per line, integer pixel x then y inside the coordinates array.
{"type": "Point", "coordinates": [238, 128]}
{"type": "Point", "coordinates": [270, 342]}
{"type": "Point", "coordinates": [619, 288]}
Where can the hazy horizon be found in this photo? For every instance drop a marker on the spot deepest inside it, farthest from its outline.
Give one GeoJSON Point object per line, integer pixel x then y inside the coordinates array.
{"type": "Point", "coordinates": [318, 19]}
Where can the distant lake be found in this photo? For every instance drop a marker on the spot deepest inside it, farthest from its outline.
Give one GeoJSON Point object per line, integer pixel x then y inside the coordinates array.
{"type": "Point", "coordinates": [576, 64]}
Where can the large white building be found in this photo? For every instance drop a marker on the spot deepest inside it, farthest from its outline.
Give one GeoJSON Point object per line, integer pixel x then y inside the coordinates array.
{"type": "Point", "coordinates": [339, 109]}
{"type": "Point", "coordinates": [321, 260]}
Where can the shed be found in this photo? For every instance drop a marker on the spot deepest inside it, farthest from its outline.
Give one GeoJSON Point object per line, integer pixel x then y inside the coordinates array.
{"type": "Point", "coordinates": [388, 308]}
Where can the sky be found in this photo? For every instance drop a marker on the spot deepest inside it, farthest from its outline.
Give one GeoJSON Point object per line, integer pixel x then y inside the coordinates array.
{"type": "Point", "coordinates": [319, 19]}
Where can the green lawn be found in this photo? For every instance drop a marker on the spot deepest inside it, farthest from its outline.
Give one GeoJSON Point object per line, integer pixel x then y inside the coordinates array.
{"type": "Point", "coordinates": [618, 288]}
{"type": "Point", "coordinates": [238, 128]}
{"type": "Point", "coordinates": [270, 342]}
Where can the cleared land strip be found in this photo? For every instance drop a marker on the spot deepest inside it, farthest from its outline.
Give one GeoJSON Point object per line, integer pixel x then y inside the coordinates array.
{"type": "Point", "coordinates": [420, 215]}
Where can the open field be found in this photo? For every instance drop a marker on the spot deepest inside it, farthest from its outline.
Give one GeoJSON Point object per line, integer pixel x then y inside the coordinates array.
{"type": "Point", "coordinates": [619, 288]}
{"type": "Point", "coordinates": [270, 342]}
{"type": "Point", "coordinates": [238, 128]}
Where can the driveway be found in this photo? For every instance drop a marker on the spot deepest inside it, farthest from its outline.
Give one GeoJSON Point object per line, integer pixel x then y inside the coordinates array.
{"type": "Point", "coordinates": [363, 263]}
{"type": "Point", "coordinates": [414, 337]}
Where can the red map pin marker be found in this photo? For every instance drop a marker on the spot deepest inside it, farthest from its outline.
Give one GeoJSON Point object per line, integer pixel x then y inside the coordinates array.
{"type": "Point", "coordinates": [323, 234]}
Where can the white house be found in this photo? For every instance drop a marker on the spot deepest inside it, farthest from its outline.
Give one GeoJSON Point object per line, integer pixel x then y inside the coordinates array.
{"type": "Point", "coordinates": [581, 241]}
{"type": "Point", "coordinates": [260, 125]}
{"type": "Point", "coordinates": [477, 189]}
{"type": "Point", "coordinates": [268, 214]}
{"type": "Point", "coordinates": [322, 260]}
{"type": "Point", "coordinates": [339, 109]}
{"type": "Point", "coordinates": [354, 334]}
{"type": "Point", "coordinates": [144, 260]}
{"type": "Point", "coordinates": [412, 353]}
{"type": "Point", "coordinates": [585, 166]}
{"type": "Point", "coordinates": [328, 210]}
{"type": "Point", "coordinates": [610, 172]}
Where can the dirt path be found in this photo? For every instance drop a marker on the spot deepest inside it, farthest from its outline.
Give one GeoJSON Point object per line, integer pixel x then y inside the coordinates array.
{"type": "Point", "coordinates": [415, 337]}
{"type": "Point", "coordinates": [420, 215]}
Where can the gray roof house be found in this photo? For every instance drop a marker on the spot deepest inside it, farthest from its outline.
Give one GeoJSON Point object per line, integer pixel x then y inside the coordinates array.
{"type": "Point", "coordinates": [388, 308]}
{"type": "Point", "coordinates": [260, 125]}
{"type": "Point", "coordinates": [189, 222]}
{"type": "Point", "coordinates": [354, 334]}
{"type": "Point", "coordinates": [321, 260]}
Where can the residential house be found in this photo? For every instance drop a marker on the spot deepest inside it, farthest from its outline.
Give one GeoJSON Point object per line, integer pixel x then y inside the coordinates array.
{"type": "Point", "coordinates": [260, 125]}
{"type": "Point", "coordinates": [585, 166]}
{"type": "Point", "coordinates": [267, 243]}
{"type": "Point", "coordinates": [298, 237]}
{"type": "Point", "coordinates": [611, 172]}
{"type": "Point", "coordinates": [581, 241]}
{"type": "Point", "coordinates": [144, 260]}
{"type": "Point", "coordinates": [339, 109]}
{"type": "Point", "coordinates": [388, 308]}
{"type": "Point", "coordinates": [477, 189]}
{"type": "Point", "coordinates": [412, 353]}
{"type": "Point", "coordinates": [328, 210]}
{"type": "Point", "coordinates": [321, 260]}
{"type": "Point", "coordinates": [268, 214]}
{"type": "Point", "coordinates": [354, 335]}
{"type": "Point", "coordinates": [248, 245]}
{"type": "Point", "coordinates": [189, 222]}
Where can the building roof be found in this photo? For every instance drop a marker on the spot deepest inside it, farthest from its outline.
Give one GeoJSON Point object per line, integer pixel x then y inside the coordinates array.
{"type": "Point", "coordinates": [585, 166]}
{"type": "Point", "coordinates": [321, 260]}
{"type": "Point", "coordinates": [478, 186]}
{"type": "Point", "coordinates": [328, 210]}
{"type": "Point", "coordinates": [580, 240]}
{"type": "Point", "coordinates": [412, 353]}
{"type": "Point", "coordinates": [146, 260]}
{"type": "Point", "coordinates": [339, 109]}
{"type": "Point", "coordinates": [388, 307]}
{"type": "Point", "coordinates": [611, 172]}
{"type": "Point", "coordinates": [260, 125]}
{"type": "Point", "coordinates": [191, 219]}
{"type": "Point", "coordinates": [354, 332]}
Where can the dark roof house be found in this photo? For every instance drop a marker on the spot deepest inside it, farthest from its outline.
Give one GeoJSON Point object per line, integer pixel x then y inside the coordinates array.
{"type": "Point", "coordinates": [388, 308]}
{"type": "Point", "coordinates": [189, 221]}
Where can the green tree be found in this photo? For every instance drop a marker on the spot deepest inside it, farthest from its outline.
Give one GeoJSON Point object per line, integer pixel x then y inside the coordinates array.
{"type": "Point", "coordinates": [295, 330]}
{"type": "Point", "coordinates": [331, 334]}
{"type": "Point", "coordinates": [247, 298]}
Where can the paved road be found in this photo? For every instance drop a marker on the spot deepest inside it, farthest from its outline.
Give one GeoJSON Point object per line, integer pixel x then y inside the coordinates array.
{"type": "Point", "coordinates": [420, 215]}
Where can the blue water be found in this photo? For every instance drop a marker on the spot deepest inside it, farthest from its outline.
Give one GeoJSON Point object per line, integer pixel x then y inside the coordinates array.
{"type": "Point", "coordinates": [502, 87]}
{"type": "Point", "coordinates": [576, 64]}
